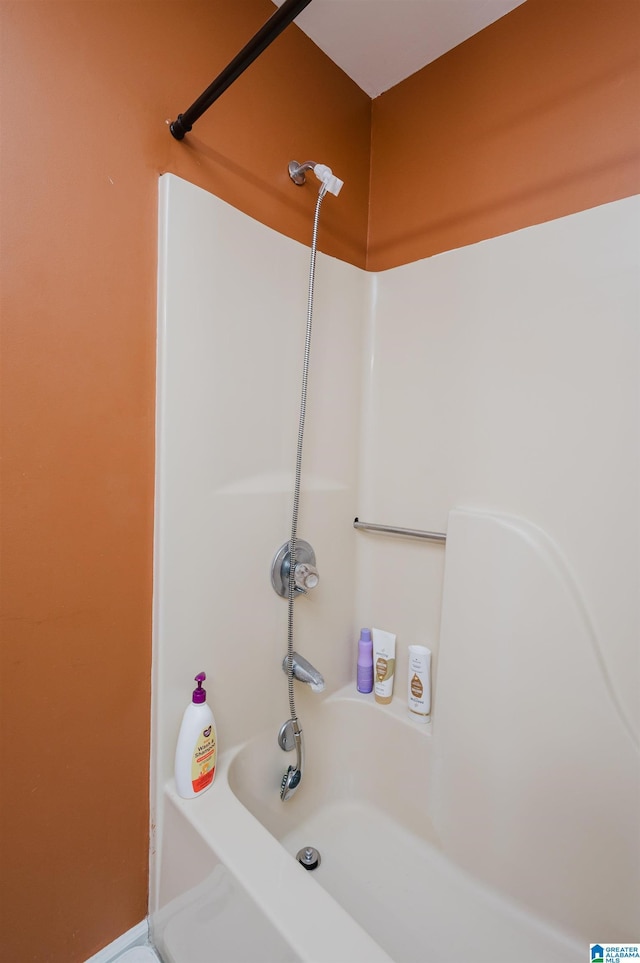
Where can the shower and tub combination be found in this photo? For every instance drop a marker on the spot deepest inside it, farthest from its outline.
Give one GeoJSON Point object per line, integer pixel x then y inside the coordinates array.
{"type": "Point", "coordinates": [471, 838]}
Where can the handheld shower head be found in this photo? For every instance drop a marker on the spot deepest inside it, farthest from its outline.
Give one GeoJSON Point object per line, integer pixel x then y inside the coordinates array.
{"type": "Point", "coordinates": [293, 776]}
{"type": "Point", "coordinates": [290, 782]}
{"type": "Point", "coordinates": [324, 174]}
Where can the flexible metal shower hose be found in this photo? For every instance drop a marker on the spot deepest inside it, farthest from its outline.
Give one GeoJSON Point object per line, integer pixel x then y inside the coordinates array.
{"type": "Point", "coordinates": [296, 491]}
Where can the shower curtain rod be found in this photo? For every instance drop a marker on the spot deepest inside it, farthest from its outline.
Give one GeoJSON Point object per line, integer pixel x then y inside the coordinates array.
{"type": "Point", "coordinates": [265, 36]}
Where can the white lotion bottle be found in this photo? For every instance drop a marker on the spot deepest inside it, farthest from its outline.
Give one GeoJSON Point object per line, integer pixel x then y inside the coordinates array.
{"type": "Point", "coordinates": [384, 665]}
{"type": "Point", "coordinates": [197, 748]}
{"type": "Point", "coordinates": [419, 683]}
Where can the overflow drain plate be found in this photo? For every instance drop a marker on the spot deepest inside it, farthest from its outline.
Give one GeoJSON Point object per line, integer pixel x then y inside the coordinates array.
{"type": "Point", "coordinates": [308, 857]}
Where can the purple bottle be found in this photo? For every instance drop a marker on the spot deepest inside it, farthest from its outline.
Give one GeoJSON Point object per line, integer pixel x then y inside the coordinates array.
{"type": "Point", "coordinates": [365, 661]}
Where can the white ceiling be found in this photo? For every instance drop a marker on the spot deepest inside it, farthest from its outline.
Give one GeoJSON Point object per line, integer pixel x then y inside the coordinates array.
{"type": "Point", "coordinates": [380, 42]}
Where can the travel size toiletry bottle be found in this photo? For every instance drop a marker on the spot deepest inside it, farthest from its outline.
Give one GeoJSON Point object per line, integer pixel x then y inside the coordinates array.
{"type": "Point", "coordinates": [365, 661]}
{"type": "Point", "coordinates": [419, 683]}
{"type": "Point", "coordinates": [196, 751]}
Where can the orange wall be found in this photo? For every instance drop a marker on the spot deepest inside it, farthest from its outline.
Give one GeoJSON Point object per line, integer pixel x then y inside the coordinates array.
{"type": "Point", "coordinates": [86, 89]}
{"type": "Point", "coordinates": [534, 118]}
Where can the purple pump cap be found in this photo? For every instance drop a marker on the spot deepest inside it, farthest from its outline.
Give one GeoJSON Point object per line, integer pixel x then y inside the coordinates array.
{"type": "Point", "coordinates": [199, 694]}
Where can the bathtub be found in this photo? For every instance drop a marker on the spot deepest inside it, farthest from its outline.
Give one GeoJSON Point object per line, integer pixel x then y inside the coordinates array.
{"type": "Point", "coordinates": [384, 891]}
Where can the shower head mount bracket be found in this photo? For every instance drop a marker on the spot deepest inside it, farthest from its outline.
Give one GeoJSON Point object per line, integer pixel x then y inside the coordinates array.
{"type": "Point", "coordinates": [328, 180]}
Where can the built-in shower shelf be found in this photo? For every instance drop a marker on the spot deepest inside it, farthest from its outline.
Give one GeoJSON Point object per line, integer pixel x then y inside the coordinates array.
{"type": "Point", "coordinates": [397, 708]}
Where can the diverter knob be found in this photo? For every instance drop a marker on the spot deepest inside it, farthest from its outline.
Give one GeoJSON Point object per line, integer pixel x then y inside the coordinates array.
{"type": "Point", "coordinates": [306, 576]}
{"type": "Point", "coordinates": [305, 573]}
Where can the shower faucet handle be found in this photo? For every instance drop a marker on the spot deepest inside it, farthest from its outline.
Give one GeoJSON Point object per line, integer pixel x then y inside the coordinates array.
{"type": "Point", "coordinates": [306, 576]}
{"type": "Point", "coordinates": [305, 573]}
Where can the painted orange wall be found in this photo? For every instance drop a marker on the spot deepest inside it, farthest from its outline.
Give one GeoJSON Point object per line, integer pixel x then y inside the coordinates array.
{"type": "Point", "coordinates": [86, 90]}
{"type": "Point", "coordinates": [534, 118]}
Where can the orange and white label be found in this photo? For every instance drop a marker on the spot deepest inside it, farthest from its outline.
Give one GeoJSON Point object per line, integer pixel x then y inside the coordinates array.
{"type": "Point", "coordinates": [203, 763]}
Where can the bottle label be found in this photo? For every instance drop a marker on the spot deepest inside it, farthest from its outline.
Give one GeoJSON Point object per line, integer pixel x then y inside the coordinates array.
{"type": "Point", "coordinates": [203, 763]}
{"type": "Point", "coordinates": [385, 668]}
{"type": "Point", "coordinates": [416, 687]}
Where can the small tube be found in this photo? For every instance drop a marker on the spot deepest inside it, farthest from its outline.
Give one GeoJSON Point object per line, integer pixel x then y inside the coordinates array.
{"type": "Point", "coordinates": [384, 664]}
{"type": "Point", "coordinates": [419, 683]}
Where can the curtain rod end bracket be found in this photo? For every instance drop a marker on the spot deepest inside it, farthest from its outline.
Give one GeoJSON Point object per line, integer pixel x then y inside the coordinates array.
{"type": "Point", "coordinates": [178, 128]}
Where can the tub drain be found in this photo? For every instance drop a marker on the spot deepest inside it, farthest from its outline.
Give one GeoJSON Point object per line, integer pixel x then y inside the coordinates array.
{"type": "Point", "coordinates": [308, 857]}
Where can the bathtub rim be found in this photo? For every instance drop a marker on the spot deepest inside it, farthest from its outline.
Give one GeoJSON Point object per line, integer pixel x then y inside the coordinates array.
{"type": "Point", "coordinates": [272, 875]}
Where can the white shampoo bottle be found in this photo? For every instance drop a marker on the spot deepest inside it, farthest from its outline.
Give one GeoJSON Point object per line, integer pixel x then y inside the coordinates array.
{"type": "Point", "coordinates": [419, 683]}
{"type": "Point", "coordinates": [197, 748]}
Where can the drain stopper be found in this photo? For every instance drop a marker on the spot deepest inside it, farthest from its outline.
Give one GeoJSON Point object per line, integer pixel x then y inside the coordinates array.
{"type": "Point", "coordinates": [308, 857]}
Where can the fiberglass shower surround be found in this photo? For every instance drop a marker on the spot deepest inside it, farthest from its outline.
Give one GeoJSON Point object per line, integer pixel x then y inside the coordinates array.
{"type": "Point", "coordinates": [508, 855]}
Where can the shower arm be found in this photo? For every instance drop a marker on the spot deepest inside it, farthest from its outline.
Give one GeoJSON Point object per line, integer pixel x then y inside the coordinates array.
{"type": "Point", "coordinates": [265, 36]}
{"type": "Point", "coordinates": [297, 171]}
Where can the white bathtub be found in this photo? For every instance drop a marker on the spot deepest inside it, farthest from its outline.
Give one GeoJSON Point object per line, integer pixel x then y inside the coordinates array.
{"type": "Point", "coordinates": [385, 890]}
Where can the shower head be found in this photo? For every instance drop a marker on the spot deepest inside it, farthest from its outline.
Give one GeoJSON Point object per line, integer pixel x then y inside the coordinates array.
{"type": "Point", "coordinates": [290, 782]}
{"type": "Point", "coordinates": [293, 776]}
{"type": "Point", "coordinates": [324, 174]}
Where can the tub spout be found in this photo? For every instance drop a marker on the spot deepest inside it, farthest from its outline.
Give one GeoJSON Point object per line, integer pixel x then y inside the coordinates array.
{"type": "Point", "coordinates": [304, 672]}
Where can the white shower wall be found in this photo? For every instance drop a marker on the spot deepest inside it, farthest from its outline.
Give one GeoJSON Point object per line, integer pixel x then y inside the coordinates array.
{"type": "Point", "coordinates": [502, 376]}
{"type": "Point", "coordinates": [232, 310]}
{"type": "Point", "coordinates": [505, 377]}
